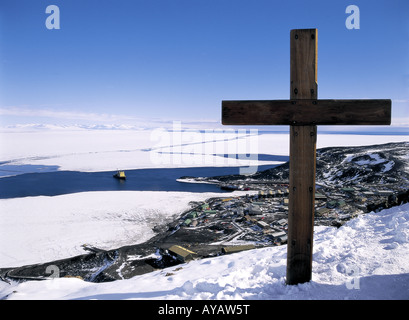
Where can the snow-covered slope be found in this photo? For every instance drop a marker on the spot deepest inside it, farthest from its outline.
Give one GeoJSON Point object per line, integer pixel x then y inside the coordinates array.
{"type": "Point", "coordinates": [370, 251]}
{"type": "Point", "coordinates": [367, 258]}
{"type": "Point", "coordinates": [41, 229]}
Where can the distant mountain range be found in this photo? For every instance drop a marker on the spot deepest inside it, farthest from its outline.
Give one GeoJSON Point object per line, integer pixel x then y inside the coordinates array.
{"type": "Point", "coordinates": [146, 124]}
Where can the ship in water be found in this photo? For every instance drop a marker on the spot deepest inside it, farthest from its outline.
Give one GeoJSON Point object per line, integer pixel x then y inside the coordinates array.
{"type": "Point", "coordinates": [120, 175]}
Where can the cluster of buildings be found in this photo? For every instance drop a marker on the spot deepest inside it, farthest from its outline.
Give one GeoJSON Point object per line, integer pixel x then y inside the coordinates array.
{"type": "Point", "coordinates": [349, 182]}
{"type": "Point", "coordinates": [261, 218]}
{"type": "Point", "coordinates": [240, 220]}
{"type": "Point", "coordinates": [343, 203]}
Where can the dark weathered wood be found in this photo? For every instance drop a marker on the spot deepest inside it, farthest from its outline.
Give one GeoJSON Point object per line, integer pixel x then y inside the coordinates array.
{"type": "Point", "coordinates": [303, 112]}
{"type": "Point", "coordinates": [303, 70]}
{"type": "Point", "coordinates": [301, 203]}
{"type": "Point", "coordinates": [307, 112]}
{"type": "Point", "coordinates": [303, 64]}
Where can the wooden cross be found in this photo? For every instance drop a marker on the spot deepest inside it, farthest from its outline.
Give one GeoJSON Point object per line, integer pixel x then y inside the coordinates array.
{"type": "Point", "coordinates": [303, 112]}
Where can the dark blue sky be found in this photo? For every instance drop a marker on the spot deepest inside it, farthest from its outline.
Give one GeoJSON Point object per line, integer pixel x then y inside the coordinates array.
{"type": "Point", "coordinates": [177, 59]}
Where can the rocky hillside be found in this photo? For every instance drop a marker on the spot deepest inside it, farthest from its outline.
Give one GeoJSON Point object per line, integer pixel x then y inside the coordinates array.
{"type": "Point", "coordinates": [377, 164]}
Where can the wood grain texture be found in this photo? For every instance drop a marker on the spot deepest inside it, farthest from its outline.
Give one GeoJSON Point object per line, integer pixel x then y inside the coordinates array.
{"type": "Point", "coordinates": [307, 112]}
{"type": "Point", "coordinates": [301, 203]}
{"type": "Point", "coordinates": [303, 139]}
{"type": "Point", "coordinates": [303, 112]}
{"type": "Point", "coordinates": [303, 63]}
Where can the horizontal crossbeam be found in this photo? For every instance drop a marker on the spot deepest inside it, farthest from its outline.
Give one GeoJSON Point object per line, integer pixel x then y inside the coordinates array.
{"type": "Point", "coordinates": [307, 112]}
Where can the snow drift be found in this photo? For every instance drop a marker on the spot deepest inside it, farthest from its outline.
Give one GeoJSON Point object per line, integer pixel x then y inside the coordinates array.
{"type": "Point", "coordinates": [367, 258]}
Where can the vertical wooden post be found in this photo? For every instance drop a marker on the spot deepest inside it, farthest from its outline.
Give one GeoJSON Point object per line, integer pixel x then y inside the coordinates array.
{"type": "Point", "coordinates": [303, 70]}
{"type": "Point", "coordinates": [303, 136]}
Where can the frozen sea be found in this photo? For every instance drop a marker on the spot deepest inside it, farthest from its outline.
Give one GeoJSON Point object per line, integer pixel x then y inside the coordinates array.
{"type": "Point", "coordinates": [38, 228]}
{"type": "Point", "coordinates": [50, 162]}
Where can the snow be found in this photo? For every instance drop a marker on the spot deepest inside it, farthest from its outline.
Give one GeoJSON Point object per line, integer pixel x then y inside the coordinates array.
{"type": "Point", "coordinates": [367, 258]}
{"type": "Point", "coordinates": [374, 159]}
{"type": "Point", "coordinates": [41, 229]}
{"type": "Point", "coordinates": [107, 150]}
{"type": "Point", "coordinates": [388, 166]}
